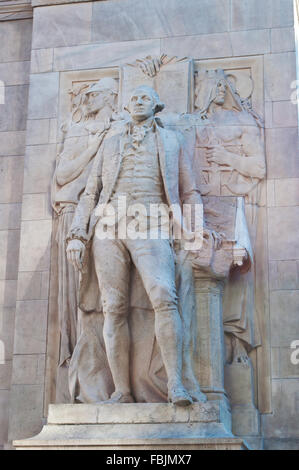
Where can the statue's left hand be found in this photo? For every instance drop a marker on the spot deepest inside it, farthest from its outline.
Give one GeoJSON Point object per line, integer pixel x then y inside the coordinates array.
{"type": "Point", "coordinates": [215, 236]}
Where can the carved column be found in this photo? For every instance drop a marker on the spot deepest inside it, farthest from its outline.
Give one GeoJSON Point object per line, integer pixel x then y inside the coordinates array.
{"type": "Point", "coordinates": [210, 339]}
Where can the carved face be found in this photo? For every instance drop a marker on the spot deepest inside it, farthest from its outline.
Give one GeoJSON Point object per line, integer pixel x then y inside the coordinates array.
{"type": "Point", "coordinates": [95, 102]}
{"type": "Point", "coordinates": [220, 92]}
{"type": "Point", "coordinates": [141, 105]}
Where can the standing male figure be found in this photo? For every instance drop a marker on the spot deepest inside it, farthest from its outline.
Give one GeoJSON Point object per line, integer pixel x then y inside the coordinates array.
{"type": "Point", "coordinates": [145, 163]}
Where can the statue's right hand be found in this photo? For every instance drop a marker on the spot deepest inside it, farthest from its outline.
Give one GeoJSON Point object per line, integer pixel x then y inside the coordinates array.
{"type": "Point", "coordinates": [75, 253]}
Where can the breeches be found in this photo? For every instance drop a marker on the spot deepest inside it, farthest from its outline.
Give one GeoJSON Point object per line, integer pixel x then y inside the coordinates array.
{"type": "Point", "coordinates": [154, 260]}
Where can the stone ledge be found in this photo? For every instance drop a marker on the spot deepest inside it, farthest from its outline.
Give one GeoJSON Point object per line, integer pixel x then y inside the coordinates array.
{"type": "Point", "coordinates": [15, 10]}
{"type": "Point", "coordinates": [134, 413]}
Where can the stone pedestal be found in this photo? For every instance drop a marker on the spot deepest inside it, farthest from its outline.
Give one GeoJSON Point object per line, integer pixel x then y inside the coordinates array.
{"type": "Point", "coordinates": [210, 365]}
{"type": "Point", "coordinates": [142, 426]}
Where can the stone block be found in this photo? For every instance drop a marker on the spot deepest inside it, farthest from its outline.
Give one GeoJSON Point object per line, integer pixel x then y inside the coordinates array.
{"type": "Point", "coordinates": [43, 95]}
{"type": "Point", "coordinates": [251, 42]}
{"type": "Point", "coordinates": [9, 249]}
{"type": "Point", "coordinates": [282, 366]}
{"type": "Point", "coordinates": [251, 14]}
{"type": "Point", "coordinates": [35, 245]}
{"type": "Point", "coordinates": [128, 20]}
{"type": "Point", "coordinates": [282, 153]}
{"type": "Point", "coordinates": [199, 47]}
{"type": "Point", "coordinates": [37, 131]}
{"type": "Point", "coordinates": [45, 285]}
{"type": "Point", "coordinates": [11, 144]}
{"type": "Point", "coordinates": [28, 369]}
{"type": "Point", "coordinates": [103, 55]}
{"type": "Point", "coordinates": [41, 60]}
{"type": "Point", "coordinates": [15, 73]}
{"type": "Point", "coordinates": [284, 275]}
{"type": "Point", "coordinates": [15, 40]}
{"type": "Point", "coordinates": [31, 327]}
{"type": "Point", "coordinates": [7, 324]}
{"type": "Point", "coordinates": [283, 228]}
{"type": "Point", "coordinates": [26, 411]}
{"type": "Point", "coordinates": [62, 25]}
{"type": "Point", "coordinates": [268, 115]}
{"type": "Point", "coordinates": [282, 13]}
{"type": "Point", "coordinates": [8, 293]}
{"type": "Point", "coordinates": [282, 40]}
{"type": "Point", "coordinates": [4, 407]}
{"type": "Point", "coordinates": [39, 168]}
{"type": "Point", "coordinates": [271, 193]}
{"type": "Point", "coordinates": [283, 423]}
{"type": "Point", "coordinates": [280, 72]}
{"type": "Point", "coordinates": [10, 216]}
{"type": "Point", "coordinates": [287, 192]}
{"type": "Point", "coordinates": [285, 114]}
{"type": "Point", "coordinates": [34, 207]}
{"type": "Point", "coordinates": [13, 111]}
{"type": "Point", "coordinates": [29, 286]}
{"type": "Point", "coordinates": [53, 131]}
{"type": "Point", "coordinates": [5, 376]}
{"type": "Point", "coordinates": [284, 306]}
{"type": "Point", "coordinates": [281, 444]}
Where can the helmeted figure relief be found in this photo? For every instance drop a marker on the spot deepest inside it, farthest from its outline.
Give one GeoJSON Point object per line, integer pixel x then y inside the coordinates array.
{"type": "Point", "coordinates": [145, 163]}
{"type": "Point", "coordinates": [231, 162]}
{"type": "Point", "coordinates": [92, 109]}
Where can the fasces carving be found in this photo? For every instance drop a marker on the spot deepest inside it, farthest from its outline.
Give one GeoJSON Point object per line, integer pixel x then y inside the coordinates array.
{"type": "Point", "coordinates": [92, 109]}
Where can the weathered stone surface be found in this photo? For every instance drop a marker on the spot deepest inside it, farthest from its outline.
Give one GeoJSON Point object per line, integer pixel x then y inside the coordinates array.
{"type": "Point", "coordinates": [9, 249]}
{"type": "Point", "coordinates": [7, 323]}
{"type": "Point", "coordinates": [26, 412]}
{"type": "Point", "coordinates": [15, 40]}
{"type": "Point", "coordinates": [287, 192]}
{"type": "Point", "coordinates": [93, 56]}
{"type": "Point", "coordinates": [15, 73]}
{"type": "Point", "coordinates": [8, 293]}
{"type": "Point", "coordinates": [37, 131]}
{"type": "Point", "coordinates": [29, 286]}
{"type": "Point", "coordinates": [199, 47]}
{"type": "Point", "coordinates": [28, 369]}
{"type": "Point", "coordinates": [282, 40]}
{"type": "Point", "coordinates": [12, 143]}
{"type": "Point", "coordinates": [280, 71]}
{"type": "Point", "coordinates": [254, 14]}
{"type": "Point", "coordinates": [36, 207]}
{"type": "Point", "coordinates": [282, 153]}
{"type": "Point", "coordinates": [43, 95]}
{"type": "Point", "coordinates": [4, 407]}
{"type": "Point", "coordinates": [284, 275]}
{"type": "Point", "coordinates": [127, 20]}
{"type": "Point", "coordinates": [39, 166]}
{"type": "Point", "coordinates": [10, 215]}
{"type": "Point", "coordinates": [31, 327]}
{"type": "Point", "coordinates": [64, 25]}
{"type": "Point", "coordinates": [285, 114]}
{"type": "Point", "coordinates": [41, 60]}
{"type": "Point", "coordinates": [284, 421]}
{"type": "Point", "coordinates": [5, 377]}
{"type": "Point", "coordinates": [35, 245]}
{"type": "Point", "coordinates": [282, 366]}
{"type": "Point", "coordinates": [250, 42]}
{"type": "Point", "coordinates": [284, 318]}
{"type": "Point", "coordinates": [283, 230]}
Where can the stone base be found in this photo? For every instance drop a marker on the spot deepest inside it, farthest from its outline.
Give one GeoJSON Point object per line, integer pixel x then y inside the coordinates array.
{"type": "Point", "coordinates": [148, 426]}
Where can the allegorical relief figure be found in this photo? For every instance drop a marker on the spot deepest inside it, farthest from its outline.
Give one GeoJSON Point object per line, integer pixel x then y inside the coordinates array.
{"type": "Point", "coordinates": [230, 161]}
{"type": "Point", "coordinates": [92, 109]}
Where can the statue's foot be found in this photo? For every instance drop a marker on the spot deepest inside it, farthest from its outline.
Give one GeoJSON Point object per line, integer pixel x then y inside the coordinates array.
{"type": "Point", "coordinates": [198, 396]}
{"type": "Point", "coordinates": [179, 396]}
{"type": "Point", "coordinates": [119, 397]}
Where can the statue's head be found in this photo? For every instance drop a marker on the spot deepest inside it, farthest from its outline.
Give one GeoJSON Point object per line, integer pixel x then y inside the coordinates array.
{"type": "Point", "coordinates": [214, 86]}
{"type": "Point", "coordinates": [144, 103]}
{"type": "Point", "coordinates": [100, 94]}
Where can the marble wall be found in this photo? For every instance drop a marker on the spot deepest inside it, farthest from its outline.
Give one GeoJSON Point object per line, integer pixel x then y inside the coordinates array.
{"type": "Point", "coordinates": [88, 35]}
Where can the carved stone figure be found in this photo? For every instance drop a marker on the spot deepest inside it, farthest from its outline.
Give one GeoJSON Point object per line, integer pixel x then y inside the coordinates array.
{"type": "Point", "coordinates": [145, 163]}
{"type": "Point", "coordinates": [231, 161]}
{"type": "Point", "coordinates": [92, 109]}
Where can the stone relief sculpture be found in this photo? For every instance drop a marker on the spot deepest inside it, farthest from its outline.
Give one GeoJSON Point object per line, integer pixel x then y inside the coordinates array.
{"type": "Point", "coordinates": [145, 163]}
{"type": "Point", "coordinates": [92, 110]}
